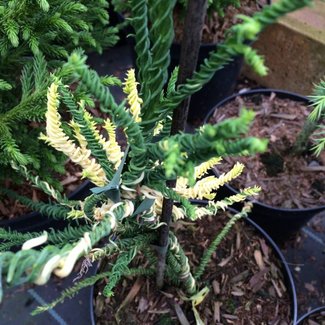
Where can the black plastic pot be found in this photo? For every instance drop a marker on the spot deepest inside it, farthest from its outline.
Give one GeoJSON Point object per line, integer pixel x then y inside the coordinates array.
{"type": "Point", "coordinates": [18, 304]}
{"type": "Point", "coordinates": [35, 221]}
{"type": "Point", "coordinates": [278, 222]}
{"type": "Point", "coordinates": [288, 278]}
{"type": "Point", "coordinates": [314, 312]}
{"type": "Point", "coordinates": [289, 281]}
{"type": "Point", "coordinates": [220, 86]}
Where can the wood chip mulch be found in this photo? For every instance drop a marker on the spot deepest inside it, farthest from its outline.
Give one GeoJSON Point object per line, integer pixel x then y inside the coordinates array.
{"type": "Point", "coordinates": [287, 180]}
{"type": "Point", "coordinates": [245, 284]}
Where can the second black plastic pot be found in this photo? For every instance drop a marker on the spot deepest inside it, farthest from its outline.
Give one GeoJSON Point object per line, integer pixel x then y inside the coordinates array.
{"type": "Point", "coordinates": [288, 278]}
{"type": "Point", "coordinates": [278, 222]}
{"type": "Point", "coordinates": [317, 311]}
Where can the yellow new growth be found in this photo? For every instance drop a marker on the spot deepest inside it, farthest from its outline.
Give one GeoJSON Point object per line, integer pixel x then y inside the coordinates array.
{"type": "Point", "coordinates": [112, 148]}
{"type": "Point", "coordinates": [158, 128]}
{"type": "Point", "coordinates": [80, 138]}
{"type": "Point", "coordinates": [130, 89]}
{"type": "Point", "coordinates": [61, 142]}
{"type": "Point", "coordinates": [204, 187]}
{"type": "Point", "coordinates": [214, 207]}
{"type": "Point", "coordinates": [206, 166]}
{"type": "Point", "coordinates": [199, 171]}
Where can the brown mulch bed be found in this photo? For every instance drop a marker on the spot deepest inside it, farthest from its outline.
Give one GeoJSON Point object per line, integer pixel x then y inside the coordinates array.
{"type": "Point", "coordinates": [244, 278]}
{"type": "Point", "coordinates": [287, 181]}
{"type": "Point", "coordinates": [215, 26]}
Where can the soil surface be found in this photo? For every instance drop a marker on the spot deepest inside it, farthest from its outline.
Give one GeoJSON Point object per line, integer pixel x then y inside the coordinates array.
{"type": "Point", "coordinates": [287, 180]}
{"type": "Point", "coordinates": [244, 279]}
{"type": "Point", "coordinates": [216, 26]}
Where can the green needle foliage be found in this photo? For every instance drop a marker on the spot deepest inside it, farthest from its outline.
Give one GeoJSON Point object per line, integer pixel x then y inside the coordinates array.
{"type": "Point", "coordinates": [35, 37]}
{"type": "Point", "coordinates": [314, 125]}
{"type": "Point", "coordinates": [53, 27]}
{"type": "Point", "coordinates": [122, 215]}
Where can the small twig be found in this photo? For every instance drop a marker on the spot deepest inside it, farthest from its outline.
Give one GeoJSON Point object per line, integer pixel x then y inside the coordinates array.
{"type": "Point", "coordinates": [295, 201]}
{"type": "Point", "coordinates": [180, 314]}
{"type": "Point", "coordinates": [284, 116]}
{"type": "Point", "coordinates": [313, 169]}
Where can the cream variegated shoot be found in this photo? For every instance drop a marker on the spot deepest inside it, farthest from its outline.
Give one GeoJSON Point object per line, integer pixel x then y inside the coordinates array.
{"type": "Point", "coordinates": [34, 242]}
{"type": "Point", "coordinates": [203, 189]}
{"type": "Point", "coordinates": [199, 171]}
{"type": "Point", "coordinates": [112, 148]}
{"type": "Point", "coordinates": [134, 100]}
{"type": "Point", "coordinates": [77, 134]}
{"type": "Point", "coordinates": [56, 137]}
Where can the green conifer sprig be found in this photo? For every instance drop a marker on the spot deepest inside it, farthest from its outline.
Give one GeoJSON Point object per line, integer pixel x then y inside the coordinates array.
{"type": "Point", "coordinates": [96, 148]}
{"type": "Point", "coordinates": [120, 116]}
{"type": "Point", "coordinates": [68, 234]}
{"type": "Point", "coordinates": [46, 31]}
{"type": "Point", "coordinates": [118, 270]}
{"type": "Point", "coordinates": [317, 115]}
{"type": "Point", "coordinates": [54, 27]}
{"type": "Point", "coordinates": [216, 242]}
{"type": "Point", "coordinates": [161, 34]}
{"type": "Point", "coordinates": [53, 211]}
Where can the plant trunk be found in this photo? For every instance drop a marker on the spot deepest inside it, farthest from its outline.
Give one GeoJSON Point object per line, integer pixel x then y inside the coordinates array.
{"type": "Point", "coordinates": [194, 21]}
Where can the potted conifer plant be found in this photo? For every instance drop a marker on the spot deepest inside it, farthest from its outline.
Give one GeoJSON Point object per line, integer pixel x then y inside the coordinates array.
{"type": "Point", "coordinates": [292, 167]}
{"type": "Point", "coordinates": [131, 198]}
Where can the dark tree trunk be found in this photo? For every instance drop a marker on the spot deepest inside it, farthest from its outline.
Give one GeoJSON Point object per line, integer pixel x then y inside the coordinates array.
{"type": "Point", "coordinates": [194, 21]}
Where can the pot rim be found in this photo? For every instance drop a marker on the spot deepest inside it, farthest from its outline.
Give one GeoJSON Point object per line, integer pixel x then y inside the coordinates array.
{"type": "Point", "coordinates": [288, 277]}
{"type": "Point", "coordinates": [310, 313]}
{"type": "Point", "coordinates": [282, 93]}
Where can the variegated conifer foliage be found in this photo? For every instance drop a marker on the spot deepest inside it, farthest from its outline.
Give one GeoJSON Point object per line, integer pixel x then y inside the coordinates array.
{"type": "Point", "coordinates": [126, 203]}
